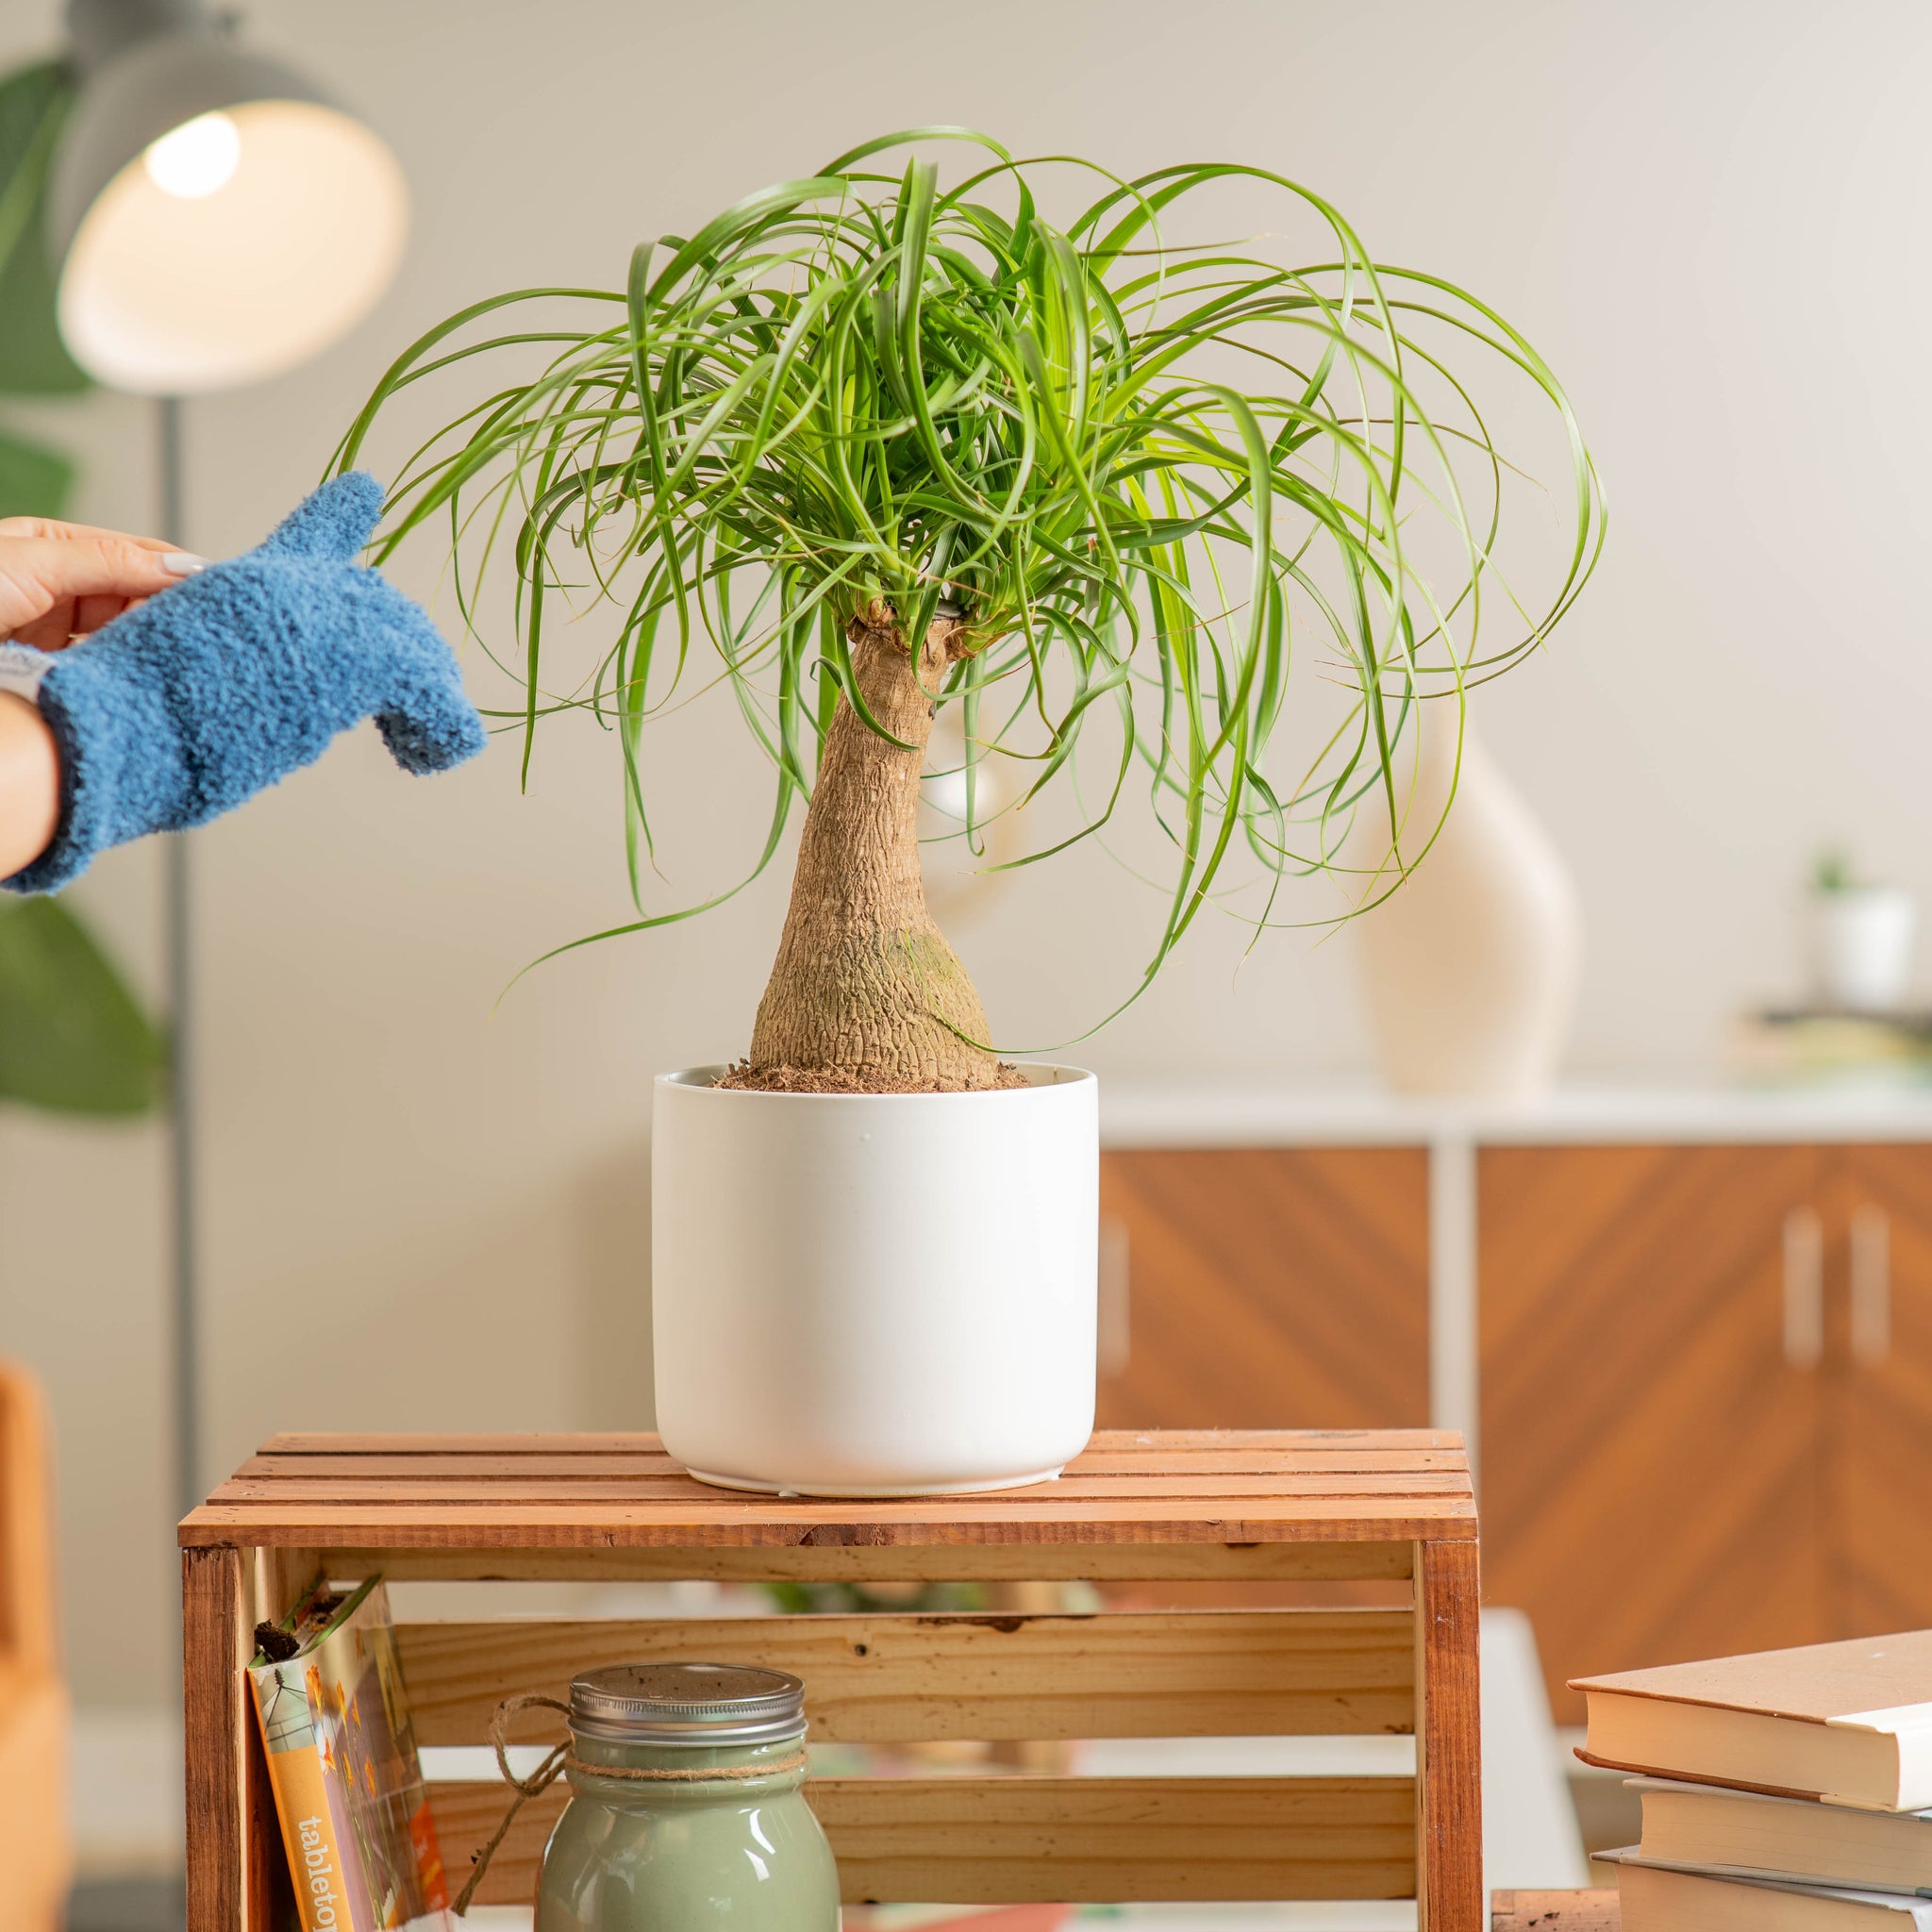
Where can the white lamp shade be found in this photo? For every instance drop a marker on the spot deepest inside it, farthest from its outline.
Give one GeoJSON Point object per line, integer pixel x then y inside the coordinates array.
{"type": "Point", "coordinates": [167, 293]}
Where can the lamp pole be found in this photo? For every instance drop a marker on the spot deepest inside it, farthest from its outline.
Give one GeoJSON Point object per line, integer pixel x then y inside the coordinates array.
{"type": "Point", "coordinates": [116, 222]}
{"type": "Point", "coordinates": [184, 1293]}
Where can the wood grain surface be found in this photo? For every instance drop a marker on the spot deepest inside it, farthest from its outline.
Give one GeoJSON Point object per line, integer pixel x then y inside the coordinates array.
{"type": "Point", "coordinates": [29, 1594]}
{"type": "Point", "coordinates": [1554, 1911]}
{"type": "Point", "coordinates": [1239, 1564]}
{"type": "Point", "coordinates": [999, 1840]}
{"type": "Point", "coordinates": [1652, 1465]}
{"type": "Point", "coordinates": [224, 1867]}
{"type": "Point", "coordinates": [1264, 1282]}
{"type": "Point", "coordinates": [1448, 1790]}
{"type": "Point", "coordinates": [528, 1492]}
{"type": "Point", "coordinates": [1879, 1406]}
{"type": "Point", "coordinates": [1129, 1563]}
{"type": "Point", "coordinates": [896, 1680]}
{"type": "Point", "coordinates": [36, 1838]}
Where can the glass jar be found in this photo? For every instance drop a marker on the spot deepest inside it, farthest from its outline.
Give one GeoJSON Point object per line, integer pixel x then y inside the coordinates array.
{"type": "Point", "coordinates": [686, 1808]}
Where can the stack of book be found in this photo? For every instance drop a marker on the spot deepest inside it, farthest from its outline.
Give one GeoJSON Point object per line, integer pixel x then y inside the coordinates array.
{"type": "Point", "coordinates": [1823, 1045]}
{"type": "Point", "coordinates": [1785, 1791]}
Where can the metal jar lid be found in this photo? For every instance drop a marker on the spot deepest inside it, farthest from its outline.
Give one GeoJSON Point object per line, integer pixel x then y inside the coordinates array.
{"type": "Point", "coordinates": [696, 1705]}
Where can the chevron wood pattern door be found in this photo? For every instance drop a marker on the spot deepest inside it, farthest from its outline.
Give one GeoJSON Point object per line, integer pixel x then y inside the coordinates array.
{"type": "Point", "coordinates": [1879, 1422]}
{"type": "Point", "coordinates": [1266, 1288]}
{"type": "Point", "coordinates": [1652, 1472]}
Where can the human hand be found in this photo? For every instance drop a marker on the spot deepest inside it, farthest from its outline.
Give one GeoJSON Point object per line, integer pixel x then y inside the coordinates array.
{"type": "Point", "coordinates": [184, 708]}
{"type": "Point", "coordinates": [59, 581]}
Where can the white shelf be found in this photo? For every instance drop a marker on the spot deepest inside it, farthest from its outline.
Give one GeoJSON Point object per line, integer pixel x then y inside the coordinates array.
{"type": "Point", "coordinates": [1232, 1113]}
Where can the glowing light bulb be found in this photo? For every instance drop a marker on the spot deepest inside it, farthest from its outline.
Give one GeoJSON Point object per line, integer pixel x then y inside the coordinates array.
{"type": "Point", "coordinates": [192, 162]}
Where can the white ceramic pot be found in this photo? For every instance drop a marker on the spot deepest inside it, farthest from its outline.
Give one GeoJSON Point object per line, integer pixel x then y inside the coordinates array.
{"type": "Point", "coordinates": [1863, 948]}
{"type": "Point", "coordinates": [874, 1294]}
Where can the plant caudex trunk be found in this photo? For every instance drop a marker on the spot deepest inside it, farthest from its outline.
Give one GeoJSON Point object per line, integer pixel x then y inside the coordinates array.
{"type": "Point", "coordinates": [866, 996]}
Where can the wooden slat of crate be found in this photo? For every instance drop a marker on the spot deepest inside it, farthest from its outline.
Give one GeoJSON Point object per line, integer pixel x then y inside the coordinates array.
{"type": "Point", "coordinates": [1002, 1840]}
{"type": "Point", "coordinates": [669, 1491]}
{"type": "Point", "coordinates": [588, 1467]}
{"type": "Point", "coordinates": [897, 1679]}
{"type": "Point", "coordinates": [1231, 1458]}
{"type": "Point", "coordinates": [1555, 1912]}
{"type": "Point", "coordinates": [1228, 1486]}
{"type": "Point", "coordinates": [1155, 1442]}
{"type": "Point", "coordinates": [235, 1874]}
{"type": "Point", "coordinates": [513, 1489]}
{"type": "Point", "coordinates": [1448, 1751]}
{"type": "Point", "coordinates": [697, 1524]}
{"type": "Point", "coordinates": [324, 1469]}
{"type": "Point", "coordinates": [831, 1562]}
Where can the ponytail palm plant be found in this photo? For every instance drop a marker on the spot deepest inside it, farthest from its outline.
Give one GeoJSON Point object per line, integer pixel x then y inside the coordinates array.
{"type": "Point", "coordinates": [883, 441]}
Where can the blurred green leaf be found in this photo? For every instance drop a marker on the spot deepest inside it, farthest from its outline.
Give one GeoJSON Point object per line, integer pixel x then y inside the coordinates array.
{"type": "Point", "coordinates": [34, 480]}
{"type": "Point", "coordinates": [33, 359]}
{"type": "Point", "coordinates": [73, 1038]}
{"type": "Point", "coordinates": [855, 1599]}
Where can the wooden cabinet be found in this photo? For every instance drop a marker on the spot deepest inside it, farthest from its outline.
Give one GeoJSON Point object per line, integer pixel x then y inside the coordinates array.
{"type": "Point", "coordinates": [1703, 1369]}
{"type": "Point", "coordinates": [1651, 1484]}
{"type": "Point", "coordinates": [1878, 1426]}
{"type": "Point", "coordinates": [1707, 1397]}
{"type": "Point", "coordinates": [1265, 1288]}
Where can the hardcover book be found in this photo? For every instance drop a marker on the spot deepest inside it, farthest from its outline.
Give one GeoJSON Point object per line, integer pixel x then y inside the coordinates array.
{"type": "Point", "coordinates": [1848, 1723]}
{"type": "Point", "coordinates": [342, 1762]}
{"type": "Point", "coordinates": [1667, 1898]}
{"type": "Point", "coordinates": [1713, 1826]}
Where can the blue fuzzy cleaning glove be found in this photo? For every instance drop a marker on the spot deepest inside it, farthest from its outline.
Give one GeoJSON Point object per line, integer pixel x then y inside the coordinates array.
{"type": "Point", "coordinates": [210, 691]}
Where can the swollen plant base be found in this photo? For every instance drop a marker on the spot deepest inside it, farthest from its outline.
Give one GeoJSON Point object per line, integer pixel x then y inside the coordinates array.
{"type": "Point", "coordinates": [746, 1078]}
{"type": "Point", "coordinates": [874, 1294]}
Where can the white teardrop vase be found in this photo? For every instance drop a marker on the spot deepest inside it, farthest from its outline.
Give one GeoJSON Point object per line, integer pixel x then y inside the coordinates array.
{"type": "Point", "coordinates": [1469, 969]}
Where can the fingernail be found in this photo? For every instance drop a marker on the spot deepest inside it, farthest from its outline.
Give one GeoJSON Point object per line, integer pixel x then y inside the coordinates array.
{"type": "Point", "coordinates": [182, 564]}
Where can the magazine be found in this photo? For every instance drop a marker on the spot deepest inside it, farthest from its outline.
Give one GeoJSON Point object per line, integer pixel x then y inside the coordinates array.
{"type": "Point", "coordinates": [341, 1759]}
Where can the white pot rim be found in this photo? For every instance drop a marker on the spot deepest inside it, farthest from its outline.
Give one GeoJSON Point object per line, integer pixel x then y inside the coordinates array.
{"type": "Point", "coordinates": [1041, 1076]}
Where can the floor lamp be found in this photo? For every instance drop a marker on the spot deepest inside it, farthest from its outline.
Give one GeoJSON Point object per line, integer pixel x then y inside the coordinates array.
{"type": "Point", "coordinates": [215, 219]}
{"type": "Point", "coordinates": [177, 930]}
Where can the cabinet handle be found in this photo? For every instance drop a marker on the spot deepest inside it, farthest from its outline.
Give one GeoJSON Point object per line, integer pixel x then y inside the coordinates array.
{"type": "Point", "coordinates": [1114, 1296]}
{"type": "Point", "coordinates": [1870, 1285]}
{"type": "Point", "coordinates": [1804, 1288]}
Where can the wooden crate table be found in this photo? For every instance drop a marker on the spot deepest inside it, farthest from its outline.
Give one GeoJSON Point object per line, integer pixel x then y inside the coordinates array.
{"type": "Point", "coordinates": [1146, 1507]}
{"type": "Point", "coordinates": [1554, 1911]}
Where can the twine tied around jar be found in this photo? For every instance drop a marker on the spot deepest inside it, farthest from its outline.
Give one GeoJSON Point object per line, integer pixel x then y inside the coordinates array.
{"type": "Point", "coordinates": [563, 1760]}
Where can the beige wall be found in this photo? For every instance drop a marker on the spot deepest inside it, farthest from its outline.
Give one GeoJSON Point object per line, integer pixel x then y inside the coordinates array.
{"type": "Point", "coordinates": [1710, 216]}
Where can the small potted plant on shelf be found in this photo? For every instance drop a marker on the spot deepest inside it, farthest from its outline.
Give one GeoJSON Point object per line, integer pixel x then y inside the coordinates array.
{"type": "Point", "coordinates": [1861, 940]}
{"type": "Point", "coordinates": [1043, 448]}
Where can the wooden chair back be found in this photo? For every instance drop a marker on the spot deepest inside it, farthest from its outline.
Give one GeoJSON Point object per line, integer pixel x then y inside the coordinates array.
{"type": "Point", "coordinates": [35, 1835]}
{"type": "Point", "coordinates": [29, 1640]}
